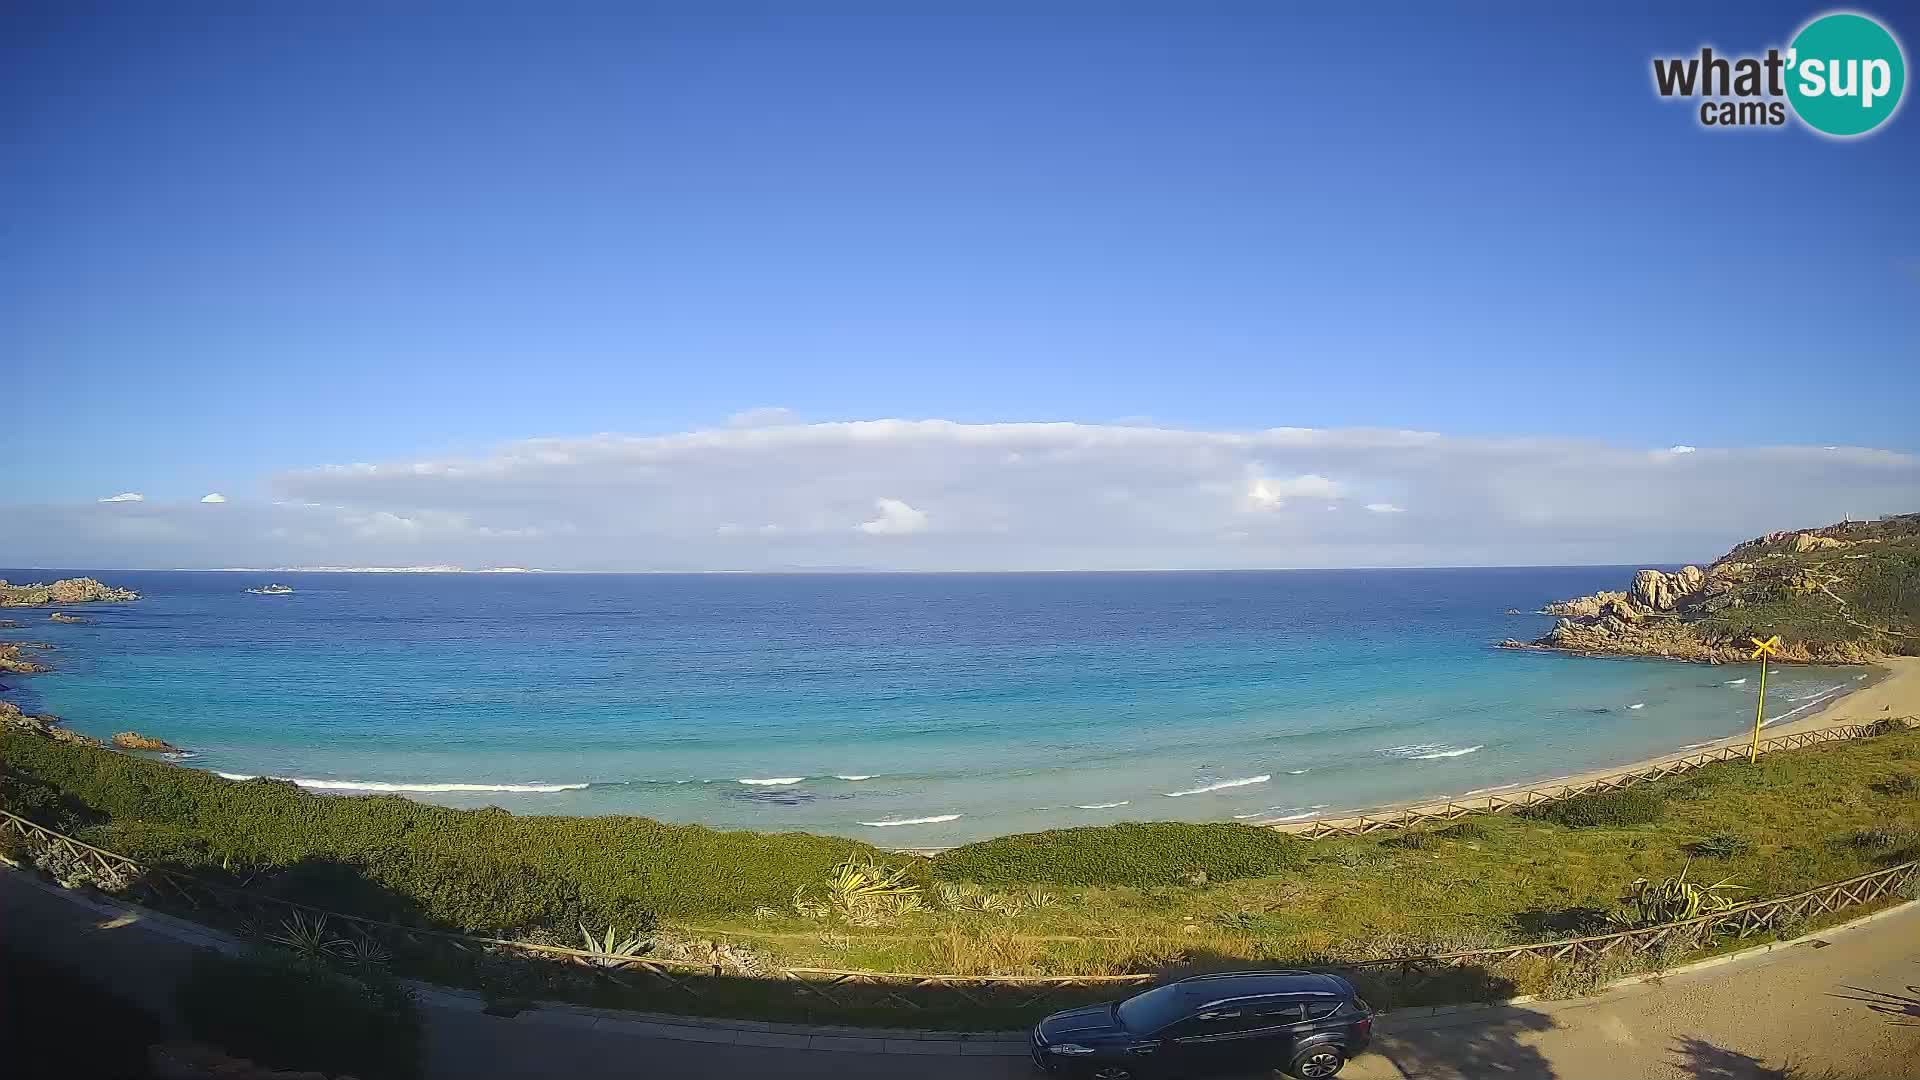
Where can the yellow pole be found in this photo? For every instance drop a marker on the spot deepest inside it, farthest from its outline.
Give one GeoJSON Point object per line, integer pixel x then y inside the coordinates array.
{"type": "Point", "coordinates": [1759, 711]}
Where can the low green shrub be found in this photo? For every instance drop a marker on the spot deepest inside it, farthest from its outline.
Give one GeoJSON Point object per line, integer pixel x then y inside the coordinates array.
{"type": "Point", "coordinates": [288, 1013]}
{"type": "Point", "coordinates": [1720, 846]}
{"type": "Point", "coordinates": [1410, 839]}
{"type": "Point", "coordinates": [386, 857]}
{"type": "Point", "coordinates": [1466, 829]}
{"type": "Point", "coordinates": [1899, 784]}
{"type": "Point", "coordinates": [1133, 853]}
{"type": "Point", "coordinates": [1608, 809]}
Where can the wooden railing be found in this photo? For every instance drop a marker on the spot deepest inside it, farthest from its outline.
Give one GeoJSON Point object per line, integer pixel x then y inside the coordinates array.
{"type": "Point", "coordinates": [1507, 802]}
{"type": "Point", "coordinates": [718, 984]}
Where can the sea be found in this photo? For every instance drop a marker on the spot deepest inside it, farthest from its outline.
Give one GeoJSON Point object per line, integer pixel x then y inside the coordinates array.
{"type": "Point", "coordinates": [910, 710]}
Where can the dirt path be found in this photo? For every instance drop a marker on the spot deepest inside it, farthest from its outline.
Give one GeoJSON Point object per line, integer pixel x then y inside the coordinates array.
{"type": "Point", "coordinates": [1852, 1005]}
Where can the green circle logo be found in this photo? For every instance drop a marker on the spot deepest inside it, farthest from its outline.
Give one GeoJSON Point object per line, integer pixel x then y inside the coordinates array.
{"type": "Point", "coordinates": [1845, 74]}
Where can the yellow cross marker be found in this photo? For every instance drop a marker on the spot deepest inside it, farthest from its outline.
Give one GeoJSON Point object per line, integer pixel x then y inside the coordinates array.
{"type": "Point", "coordinates": [1761, 650]}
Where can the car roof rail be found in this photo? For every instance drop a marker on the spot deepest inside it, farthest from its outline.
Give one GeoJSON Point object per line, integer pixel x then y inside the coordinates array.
{"type": "Point", "coordinates": [1247, 974]}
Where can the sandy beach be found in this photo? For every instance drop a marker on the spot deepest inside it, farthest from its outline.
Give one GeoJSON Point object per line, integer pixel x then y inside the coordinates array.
{"type": "Point", "coordinates": [1895, 693]}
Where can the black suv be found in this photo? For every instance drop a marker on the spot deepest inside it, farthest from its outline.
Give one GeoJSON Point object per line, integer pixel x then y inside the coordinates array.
{"type": "Point", "coordinates": [1306, 1023]}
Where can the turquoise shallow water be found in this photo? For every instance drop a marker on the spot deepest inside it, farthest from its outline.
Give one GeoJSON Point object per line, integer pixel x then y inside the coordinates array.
{"type": "Point", "coordinates": [904, 709]}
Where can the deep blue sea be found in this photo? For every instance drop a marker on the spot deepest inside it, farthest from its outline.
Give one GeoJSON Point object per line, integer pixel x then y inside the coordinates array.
{"type": "Point", "coordinates": [904, 709]}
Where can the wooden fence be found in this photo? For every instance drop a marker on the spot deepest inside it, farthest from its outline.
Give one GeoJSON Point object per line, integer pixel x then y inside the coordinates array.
{"type": "Point", "coordinates": [1508, 802]}
{"type": "Point", "coordinates": [721, 984]}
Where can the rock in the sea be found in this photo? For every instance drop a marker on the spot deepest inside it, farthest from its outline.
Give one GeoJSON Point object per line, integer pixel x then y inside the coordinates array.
{"type": "Point", "coordinates": [65, 591]}
{"type": "Point", "coordinates": [133, 740]}
{"type": "Point", "coordinates": [61, 616]}
{"type": "Point", "coordinates": [13, 662]}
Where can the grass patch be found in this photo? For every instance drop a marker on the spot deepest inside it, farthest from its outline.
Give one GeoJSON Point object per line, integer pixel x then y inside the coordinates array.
{"type": "Point", "coordinates": [1720, 845]}
{"type": "Point", "coordinates": [1608, 809]}
{"type": "Point", "coordinates": [1133, 853]}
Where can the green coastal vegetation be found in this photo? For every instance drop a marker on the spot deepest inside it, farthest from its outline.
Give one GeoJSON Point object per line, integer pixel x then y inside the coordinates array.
{"type": "Point", "coordinates": [1138, 897]}
{"type": "Point", "coordinates": [1846, 593]}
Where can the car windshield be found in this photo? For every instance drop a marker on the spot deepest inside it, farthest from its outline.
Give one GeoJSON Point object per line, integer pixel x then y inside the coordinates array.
{"type": "Point", "coordinates": [1152, 1010]}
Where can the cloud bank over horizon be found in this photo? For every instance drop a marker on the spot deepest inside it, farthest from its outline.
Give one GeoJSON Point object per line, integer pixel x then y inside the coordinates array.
{"type": "Point", "coordinates": [765, 492]}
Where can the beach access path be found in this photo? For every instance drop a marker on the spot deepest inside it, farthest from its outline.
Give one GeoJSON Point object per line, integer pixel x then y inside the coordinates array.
{"type": "Point", "coordinates": [1847, 998]}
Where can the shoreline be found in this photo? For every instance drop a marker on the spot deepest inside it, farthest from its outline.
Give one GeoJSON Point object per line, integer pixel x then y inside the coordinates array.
{"type": "Point", "coordinates": [1896, 692]}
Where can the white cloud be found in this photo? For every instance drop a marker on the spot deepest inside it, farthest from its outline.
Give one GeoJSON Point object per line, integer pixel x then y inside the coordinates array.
{"type": "Point", "coordinates": [1385, 508]}
{"type": "Point", "coordinates": [1268, 493]}
{"type": "Point", "coordinates": [125, 496]}
{"type": "Point", "coordinates": [1682, 448]}
{"type": "Point", "coordinates": [896, 519]}
{"type": "Point", "coordinates": [213, 497]}
{"type": "Point", "coordinates": [1014, 496]}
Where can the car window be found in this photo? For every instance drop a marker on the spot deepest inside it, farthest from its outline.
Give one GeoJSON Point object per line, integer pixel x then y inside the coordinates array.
{"type": "Point", "coordinates": [1219, 1022]}
{"type": "Point", "coordinates": [1152, 1010]}
{"type": "Point", "coordinates": [1286, 1012]}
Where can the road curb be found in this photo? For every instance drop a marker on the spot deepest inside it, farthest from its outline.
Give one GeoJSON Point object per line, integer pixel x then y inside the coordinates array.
{"type": "Point", "coordinates": [829, 1038]}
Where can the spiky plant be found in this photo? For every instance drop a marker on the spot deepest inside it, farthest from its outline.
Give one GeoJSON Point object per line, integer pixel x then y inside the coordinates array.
{"type": "Point", "coordinates": [363, 953]}
{"type": "Point", "coordinates": [309, 937]}
{"type": "Point", "coordinates": [611, 950]}
{"type": "Point", "coordinates": [1650, 903]}
{"type": "Point", "coordinates": [1039, 898]}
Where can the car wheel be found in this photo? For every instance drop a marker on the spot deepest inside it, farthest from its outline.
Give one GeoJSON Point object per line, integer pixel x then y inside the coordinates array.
{"type": "Point", "coordinates": [1317, 1062]}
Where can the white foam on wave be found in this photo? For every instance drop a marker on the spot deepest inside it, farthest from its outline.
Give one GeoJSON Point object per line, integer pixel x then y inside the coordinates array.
{"type": "Point", "coordinates": [1221, 786]}
{"type": "Point", "coordinates": [1818, 699]}
{"type": "Point", "coordinates": [1638, 705]}
{"type": "Point", "coordinates": [1861, 678]}
{"type": "Point", "coordinates": [1301, 816]}
{"type": "Point", "coordinates": [891, 822]}
{"type": "Point", "coordinates": [1734, 682]}
{"type": "Point", "coordinates": [1101, 805]}
{"type": "Point", "coordinates": [1410, 748]}
{"type": "Point", "coordinates": [1298, 772]}
{"type": "Point", "coordinates": [777, 781]}
{"type": "Point", "coordinates": [851, 776]}
{"type": "Point", "coordinates": [1448, 753]}
{"type": "Point", "coordinates": [380, 785]}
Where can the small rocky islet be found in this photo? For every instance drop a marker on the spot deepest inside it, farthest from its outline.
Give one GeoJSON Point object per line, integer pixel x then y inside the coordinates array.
{"type": "Point", "coordinates": [1843, 594]}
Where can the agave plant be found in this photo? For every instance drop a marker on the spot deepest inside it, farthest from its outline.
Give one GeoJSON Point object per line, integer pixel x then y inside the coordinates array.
{"type": "Point", "coordinates": [805, 906]}
{"type": "Point", "coordinates": [1038, 898]}
{"type": "Point", "coordinates": [611, 950]}
{"type": "Point", "coordinates": [363, 952]}
{"type": "Point", "coordinates": [858, 880]}
{"type": "Point", "coordinates": [308, 937]}
{"type": "Point", "coordinates": [1653, 902]}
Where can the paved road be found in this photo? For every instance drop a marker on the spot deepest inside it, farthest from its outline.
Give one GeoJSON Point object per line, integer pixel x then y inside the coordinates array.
{"type": "Point", "coordinates": [1851, 1001]}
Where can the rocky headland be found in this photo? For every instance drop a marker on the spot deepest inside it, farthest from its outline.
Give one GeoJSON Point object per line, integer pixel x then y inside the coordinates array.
{"type": "Point", "coordinates": [47, 727]}
{"type": "Point", "coordinates": [1843, 594]}
{"type": "Point", "coordinates": [81, 590]}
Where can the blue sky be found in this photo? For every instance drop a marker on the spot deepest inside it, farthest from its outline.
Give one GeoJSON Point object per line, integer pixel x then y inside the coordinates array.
{"type": "Point", "coordinates": [239, 249]}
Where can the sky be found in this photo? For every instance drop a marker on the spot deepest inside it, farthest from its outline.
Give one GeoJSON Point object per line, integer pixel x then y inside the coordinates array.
{"type": "Point", "coordinates": [1089, 287]}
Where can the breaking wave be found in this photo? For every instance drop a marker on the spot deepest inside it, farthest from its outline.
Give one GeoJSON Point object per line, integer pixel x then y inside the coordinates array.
{"type": "Point", "coordinates": [1222, 785]}
{"type": "Point", "coordinates": [1100, 805]}
{"type": "Point", "coordinates": [380, 785]}
{"type": "Point", "coordinates": [890, 822]}
{"type": "Point", "coordinates": [1446, 753]}
{"type": "Point", "coordinates": [777, 781]}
